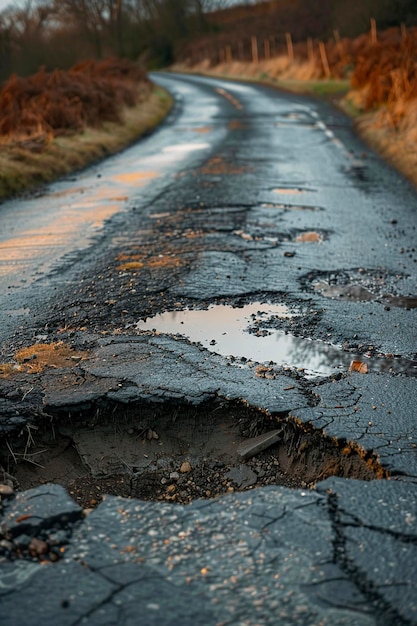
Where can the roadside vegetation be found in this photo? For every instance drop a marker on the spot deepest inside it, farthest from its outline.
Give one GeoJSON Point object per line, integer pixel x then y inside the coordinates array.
{"type": "Point", "coordinates": [54, 122]}
{"type": "Point", "coordinates": [373, 77]}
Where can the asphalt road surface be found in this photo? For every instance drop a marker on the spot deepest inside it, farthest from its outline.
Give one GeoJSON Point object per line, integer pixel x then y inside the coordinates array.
{"type": "Point", "coordinates": [249, 267]}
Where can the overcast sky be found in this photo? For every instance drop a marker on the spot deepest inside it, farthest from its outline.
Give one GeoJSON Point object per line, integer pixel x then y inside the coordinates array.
{"type": "Point", "coordinates": [6, 3]}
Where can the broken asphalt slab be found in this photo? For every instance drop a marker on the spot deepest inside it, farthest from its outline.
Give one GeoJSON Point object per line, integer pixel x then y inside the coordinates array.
{"type": "Point", "coordinates": [343, 555]}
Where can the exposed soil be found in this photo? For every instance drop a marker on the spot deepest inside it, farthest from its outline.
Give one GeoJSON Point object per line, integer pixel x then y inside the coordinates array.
{"type": "Point", "coordinates": [177, 453]}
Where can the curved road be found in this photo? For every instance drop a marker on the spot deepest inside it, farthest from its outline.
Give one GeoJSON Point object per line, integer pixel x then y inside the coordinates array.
{"type": "Point", "coordinates": [248, 250]}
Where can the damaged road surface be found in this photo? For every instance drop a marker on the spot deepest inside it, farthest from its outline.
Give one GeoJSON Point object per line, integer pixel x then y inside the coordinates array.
{"type": "Point", "coordinates": [208, 377]}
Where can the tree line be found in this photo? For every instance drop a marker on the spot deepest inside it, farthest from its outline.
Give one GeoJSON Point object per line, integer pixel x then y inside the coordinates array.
{"type": "Point", "coordinates": [58, 33]}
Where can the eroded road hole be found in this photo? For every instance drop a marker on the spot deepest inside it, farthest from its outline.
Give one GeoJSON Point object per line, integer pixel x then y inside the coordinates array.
{"type": "Point", "coordinates": [178, 452]}
{"type": "Point", "coordinates": [361, 285]}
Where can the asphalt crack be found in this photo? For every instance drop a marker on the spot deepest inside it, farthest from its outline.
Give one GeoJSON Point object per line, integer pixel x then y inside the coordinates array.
{"type": "Point", "coordinates": [385, 614]}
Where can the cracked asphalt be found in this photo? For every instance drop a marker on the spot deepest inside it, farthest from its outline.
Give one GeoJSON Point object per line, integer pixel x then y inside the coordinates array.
{"type": "Point", "coordinates": [244, 195]}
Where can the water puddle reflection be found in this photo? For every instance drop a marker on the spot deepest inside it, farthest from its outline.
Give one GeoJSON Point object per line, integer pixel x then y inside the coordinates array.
{"type": "Point", "coordinates": [187, 147]}
{"type": "Point", "coordinates": [289, 207]}
{"type": "Point", "coordinates": [309, 237]}
{"type": "Point", "coordinates": [288, 191]}
{"type": "Point", "coordinates": [138, 179]}
{"type": "Point", "coordinates": [246, 333]}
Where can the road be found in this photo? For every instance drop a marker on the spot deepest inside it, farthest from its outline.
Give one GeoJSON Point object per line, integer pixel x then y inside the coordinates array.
{"type": "Point", "coordinates": [208, 285]}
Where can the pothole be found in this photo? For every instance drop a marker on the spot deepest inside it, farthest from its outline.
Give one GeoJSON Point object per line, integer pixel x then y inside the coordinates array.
{"type": "Point", "coordinates": [253, 333]}
{"type": "Point", "coordinates": [178, 452]}
{"type": "Point", "coordinates": [362, 286]}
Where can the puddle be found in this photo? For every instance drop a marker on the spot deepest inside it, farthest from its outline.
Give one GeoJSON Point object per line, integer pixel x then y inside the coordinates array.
{"type": "Point", "coordinates": [309, 237]}
{"type": "Point", "coordinates": [249, 334]}
{"type": "Point", "coordinates": [187, 147]}
{"type": "Point", "coordinates": [177, 452]}
{"type": "Point", "coordinates": [203, 129]}
{"type": "Point", "coordinates": [137, 179]}
{"type": "Point", "coordinates": [289, 207]}
{"type": "Point", "coordinates": [288, 190]}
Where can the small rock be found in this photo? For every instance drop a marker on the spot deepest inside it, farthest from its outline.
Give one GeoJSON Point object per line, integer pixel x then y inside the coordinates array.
{"type": "Point", "coordinates": [13, 394]}
{"type": "Point", "coordinates": [37, 547]}
{"type": "Point", "coordinates": [242, 476]}
{"type": "Point", "coordinates": [6, 545]}
{"type": "Point", "coordinates": [23, 541]}
{"type": "Point", "coordinates": [87, 511]}
{"type": "Point", "coordinates": [58, 538]}
{"type": "Point", "coordinates": [174, 475]}
{"type": "Point", "coordinates": [185, 468]}
{"type": "Point", "coordinates": [6, 490]}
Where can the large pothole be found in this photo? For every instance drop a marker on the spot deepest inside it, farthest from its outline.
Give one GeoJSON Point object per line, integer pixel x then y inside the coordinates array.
{"type": "Point", "coordinates": [361, 285]}
{"type": "Point", "coordinates": [178, 452]}
{"type": "Point", "coordinates": [258, 332]}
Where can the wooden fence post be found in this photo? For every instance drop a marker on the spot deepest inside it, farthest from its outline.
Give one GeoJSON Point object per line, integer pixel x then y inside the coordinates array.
{"type": "Point", "coordinates": [374, 36]}
{"type": "Point", "coordinates": [290, 48]}
{"type": "Point", "coordinates": [324, 59]}
{"type": "Point", "coordinates": [339, 45]}
{"type": "Point", "coordinates": [255, 56]}
{"type": "Point", "coordinates": [310, 49]}
{"type": "Point", "coordinates": [240, 51]}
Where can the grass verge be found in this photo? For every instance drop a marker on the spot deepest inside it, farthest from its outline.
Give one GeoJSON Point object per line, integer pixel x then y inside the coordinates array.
{"type": "Point", "coordinates": [396, 143]}
{"type": "Point", "coordinates": [24, 168]}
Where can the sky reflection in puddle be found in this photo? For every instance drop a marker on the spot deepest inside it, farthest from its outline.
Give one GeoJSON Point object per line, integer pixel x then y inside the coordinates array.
{"type": "Point", "coordinates": [224, 330]}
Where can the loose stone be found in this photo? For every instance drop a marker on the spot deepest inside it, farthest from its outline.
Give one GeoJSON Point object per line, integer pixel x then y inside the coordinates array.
{"type": "Point", "coordinates": [6, 490]}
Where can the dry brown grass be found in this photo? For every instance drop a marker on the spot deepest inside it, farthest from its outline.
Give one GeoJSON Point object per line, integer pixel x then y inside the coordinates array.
{"type": "Point", "coordinates": [47, 104]}
{"type": "Point", "coordinates": [138, 261]}
{"type": "Point", "coordinates": [36, 358]}
{"type": "Point", "coordinates": [22, 167]}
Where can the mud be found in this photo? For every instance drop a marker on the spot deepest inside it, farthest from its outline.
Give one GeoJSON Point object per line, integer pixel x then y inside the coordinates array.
{"type": "Point", "coordinates": [176, 452]}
